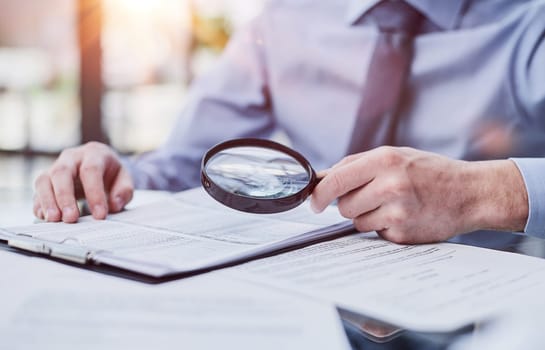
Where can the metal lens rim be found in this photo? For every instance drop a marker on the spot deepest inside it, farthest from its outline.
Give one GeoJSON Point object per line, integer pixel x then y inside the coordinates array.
{"type": "Point", "coordinates": [252, 204]}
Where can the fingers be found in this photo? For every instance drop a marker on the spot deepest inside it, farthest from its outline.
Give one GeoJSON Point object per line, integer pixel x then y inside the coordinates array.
{"type": "Point", "coordinates": [355, 171]}
{"type": "Point", "coordinates": [107, 186]}
{"type": "Point", "coordinates": [348, 159]}
{"type": "Point", "coordinates": [62, 181]}
{"type": "Point", "coordinates": [91, 174]}
{"type": "Point", "coordinates": [362, 200]}
{"type": "Point", "coordinates": [342, 179]}
{"type": "Point", "coordinates": [45, 198]}
{"type": "Point", "coordinates": [121, 191]}
{"type": "Point", "coordinates": [91, 171]}
{"type": "Point", "coordinates": [63, 189]}
{"type": "Point", "coordinates": [389, 222]}
{"type": "Point", "coordinates": [371, 221]}
{"type": "Point", "coordinates": [37, 209]}
{"type": "Point", "coordinates": [55, 199]}
{"type": "Point", "coordinates": [400, 193]}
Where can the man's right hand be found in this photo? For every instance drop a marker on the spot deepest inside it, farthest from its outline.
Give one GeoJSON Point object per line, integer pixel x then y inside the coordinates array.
{"type": "Point", "coordinates": [92, 171]}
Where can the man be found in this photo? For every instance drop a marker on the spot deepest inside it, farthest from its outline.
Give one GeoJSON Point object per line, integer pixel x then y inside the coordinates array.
{"type": "Point", "coordinates": [344, 77]}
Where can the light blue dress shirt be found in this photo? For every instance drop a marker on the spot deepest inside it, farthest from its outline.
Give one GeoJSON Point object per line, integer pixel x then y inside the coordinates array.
{"type": "Point", "coordinates": [300, 68]}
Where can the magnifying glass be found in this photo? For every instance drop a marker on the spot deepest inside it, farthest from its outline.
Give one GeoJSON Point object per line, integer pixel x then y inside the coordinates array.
{"type": "Point", "coordinates": [257, 176]}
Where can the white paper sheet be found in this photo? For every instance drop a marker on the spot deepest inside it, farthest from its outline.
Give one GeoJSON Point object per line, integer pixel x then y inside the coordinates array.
{"type": "Point", "coordinates": [5, 235]}
{"type": "Point", "coordinates": [436, 287]}
{"type": "Point", "coordinates": [50, 306]}
{"type": "Point", "coordinates": [185, 232]}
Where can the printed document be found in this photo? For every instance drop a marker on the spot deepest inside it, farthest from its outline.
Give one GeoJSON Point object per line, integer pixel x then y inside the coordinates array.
{"type": "Point", "coordinates": [433, 287]}
{"type": "Point", "coordinates": [185, 233]}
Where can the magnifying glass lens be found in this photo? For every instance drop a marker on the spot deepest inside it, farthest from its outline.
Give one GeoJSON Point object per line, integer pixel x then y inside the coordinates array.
{"type": "Point", "coordinates": [257, 172]}
{"type": "Point", "coordinates": [257, 176]}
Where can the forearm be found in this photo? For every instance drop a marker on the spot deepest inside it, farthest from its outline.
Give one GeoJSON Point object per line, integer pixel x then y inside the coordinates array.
{"type": "Point", "coordinates": [497, 196]}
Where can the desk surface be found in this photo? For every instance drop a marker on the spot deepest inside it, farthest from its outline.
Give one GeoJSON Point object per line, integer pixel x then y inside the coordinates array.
{"type": "Point", "coordinates": [16, 209]}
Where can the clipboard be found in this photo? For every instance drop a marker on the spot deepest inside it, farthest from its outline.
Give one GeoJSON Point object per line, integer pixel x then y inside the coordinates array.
{"type": "Point", "coordinates": [72, 250]}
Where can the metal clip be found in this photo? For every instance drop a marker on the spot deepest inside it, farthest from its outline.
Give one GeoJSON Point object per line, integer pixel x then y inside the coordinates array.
{"type": "Point", "coordinates": [69, 252]}
{"type": "Point", "coordinates": [30, 245]}
{"type": "Point", "coordinates": [72, 253]}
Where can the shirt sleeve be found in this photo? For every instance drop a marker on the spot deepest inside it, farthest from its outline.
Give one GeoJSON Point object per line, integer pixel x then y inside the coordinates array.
{"type": "Point", "coordinates": [529, 89]}
{"type": "Point", "coordinates": [533, 174]}
{"type": "Point", "coordinates": [231, 100]}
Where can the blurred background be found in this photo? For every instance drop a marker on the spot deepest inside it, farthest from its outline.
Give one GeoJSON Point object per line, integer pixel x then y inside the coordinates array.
{"type": "Point", "coordinates": [115, 71]}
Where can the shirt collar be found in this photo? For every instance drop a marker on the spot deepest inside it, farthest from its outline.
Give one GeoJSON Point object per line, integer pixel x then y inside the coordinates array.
{"type": "Point", "coordinates": [443, 13]}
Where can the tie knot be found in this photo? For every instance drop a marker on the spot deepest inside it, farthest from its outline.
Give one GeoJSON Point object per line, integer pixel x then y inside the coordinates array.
{"type": "Point", "coordinates": [396, 16]}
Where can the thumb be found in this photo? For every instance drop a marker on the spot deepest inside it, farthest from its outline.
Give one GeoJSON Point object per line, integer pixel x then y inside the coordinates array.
{"type": "Point", "coordinates": [121, 191]}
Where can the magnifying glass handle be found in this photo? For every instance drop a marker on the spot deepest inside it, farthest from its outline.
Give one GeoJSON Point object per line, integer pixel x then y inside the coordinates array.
{"type": "Point", "coordinates": [317, 178]}
{"type": "Point", "coordinates": [320, 175]}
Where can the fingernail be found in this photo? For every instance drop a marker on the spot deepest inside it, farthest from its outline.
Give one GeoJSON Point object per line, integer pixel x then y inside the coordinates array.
{"type": "Point", "coordinates": [49, 214]}
{"type": "Point", "coordinates": [67, 212]}
{"type": "Point", "coordinates": [119, 202]}
{"type": "Point", "coordinates": [99, 212]}
{"type": "Point", "coordinates": [313, 207]}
